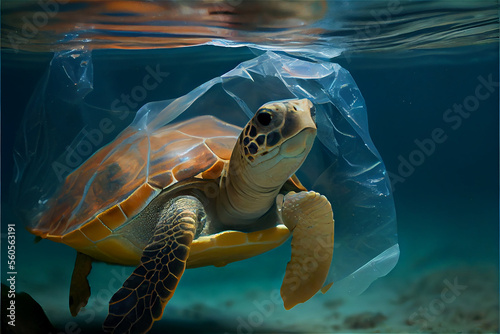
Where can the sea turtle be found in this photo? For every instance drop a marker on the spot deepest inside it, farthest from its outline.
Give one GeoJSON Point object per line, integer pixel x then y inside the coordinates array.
{"type": "Point", "coordinates": [200, 192]}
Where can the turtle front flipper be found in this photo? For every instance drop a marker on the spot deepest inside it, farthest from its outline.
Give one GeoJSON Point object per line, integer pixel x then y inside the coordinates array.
{"type": "Point", "coordinates": [309, 216]}
{"type": "Point", "coordinates": [141, 300]}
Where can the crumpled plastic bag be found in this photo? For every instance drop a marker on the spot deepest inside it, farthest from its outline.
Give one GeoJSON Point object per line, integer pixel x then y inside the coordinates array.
{"type": "Point", "coordinates": [343, 165]}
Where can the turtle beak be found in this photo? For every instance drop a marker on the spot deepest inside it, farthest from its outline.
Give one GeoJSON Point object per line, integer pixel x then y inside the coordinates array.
{"type": "Point", "coordinates": [306, 111]}
{"type": "Point", "coordinates": [307, 108]}
{"type": "Point", "coordinates": [299, 145]}
{"type": "Point", "coordinates": [307, 105]}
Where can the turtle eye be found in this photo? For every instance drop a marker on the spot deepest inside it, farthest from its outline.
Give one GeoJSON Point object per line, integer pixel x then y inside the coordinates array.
{"type": "Point", "coordinates": [264, 118]}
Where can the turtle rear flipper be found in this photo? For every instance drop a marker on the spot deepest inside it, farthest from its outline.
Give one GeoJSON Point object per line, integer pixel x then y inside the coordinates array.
{"type": "Point", "coordinates": [309, 216]}
{"type": "Point", "coordinates": [79, 291]}
{"type": "Point", "coordinates": [141, 300]}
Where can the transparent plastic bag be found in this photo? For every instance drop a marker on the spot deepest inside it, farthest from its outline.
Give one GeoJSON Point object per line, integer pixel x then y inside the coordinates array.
{"type": "Point", "coordinates": [343, 164]}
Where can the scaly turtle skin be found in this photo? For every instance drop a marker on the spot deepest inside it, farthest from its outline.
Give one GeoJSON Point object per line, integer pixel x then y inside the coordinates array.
{"type": "Point", "coordinates": [201, 192]}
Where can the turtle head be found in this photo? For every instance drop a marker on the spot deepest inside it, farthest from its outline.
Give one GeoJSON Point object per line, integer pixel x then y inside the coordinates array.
{"type": "Point", "coordinates": [270, 149]}
{"type": "Point", "coordinates": [277, 140]}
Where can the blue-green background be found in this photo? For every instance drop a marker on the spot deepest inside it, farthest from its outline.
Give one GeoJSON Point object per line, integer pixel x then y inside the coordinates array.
{"type": "Point", "coordinates": [447, 209]}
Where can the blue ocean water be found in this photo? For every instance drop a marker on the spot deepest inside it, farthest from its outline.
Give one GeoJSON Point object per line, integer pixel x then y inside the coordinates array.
{"type": "Point", "coordinates": [434, 117]}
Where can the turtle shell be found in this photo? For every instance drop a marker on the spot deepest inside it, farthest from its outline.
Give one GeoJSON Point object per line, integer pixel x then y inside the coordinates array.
{"type": "Point", "coordinates": [114, 185]}
{"type": "Point", "coordinates": [123, 177]}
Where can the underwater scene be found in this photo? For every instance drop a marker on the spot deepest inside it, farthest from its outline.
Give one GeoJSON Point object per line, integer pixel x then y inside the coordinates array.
{"type": "Point", "coordinates": [308, 166]}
